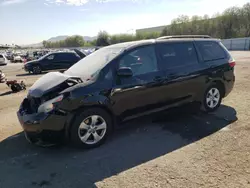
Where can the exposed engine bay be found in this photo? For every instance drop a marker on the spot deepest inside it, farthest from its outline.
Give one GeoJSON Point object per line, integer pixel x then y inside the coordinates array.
{"type": "Point", "coordinates": [45, 89]}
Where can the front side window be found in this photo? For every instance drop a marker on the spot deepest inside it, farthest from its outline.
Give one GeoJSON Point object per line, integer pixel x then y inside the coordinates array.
{"type": "Point", "coordinates": [174, 55]}
{"type": "Point", "coordinates": [211, 50]}
{"type": "Point", "coordinates": [109, 75]}
{"type": "Point", "coordinates": [141, 61]}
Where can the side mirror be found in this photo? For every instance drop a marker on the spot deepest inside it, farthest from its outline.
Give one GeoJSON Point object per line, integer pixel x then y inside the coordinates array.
{"type": "Point", "coordinates": [125, 72]}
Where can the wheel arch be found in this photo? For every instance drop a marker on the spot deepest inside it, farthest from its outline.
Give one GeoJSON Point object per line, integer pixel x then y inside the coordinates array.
{"type": "Point", "coordinates": [214, 83]}
{"type": "Point", "coordinates": [221, 86]}
{"type": "Point", "coordinates": [76, 112]}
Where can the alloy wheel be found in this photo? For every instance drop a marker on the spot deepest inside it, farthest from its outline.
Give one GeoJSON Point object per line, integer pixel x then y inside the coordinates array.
{"type": "Point", "coordinates": [92, 129]}
{"type": "Point", "coordinates": [213, 98]}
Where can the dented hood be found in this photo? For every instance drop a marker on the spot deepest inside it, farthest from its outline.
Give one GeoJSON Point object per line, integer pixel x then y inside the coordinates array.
{"type": "Point", "coordinates": [46, 83]}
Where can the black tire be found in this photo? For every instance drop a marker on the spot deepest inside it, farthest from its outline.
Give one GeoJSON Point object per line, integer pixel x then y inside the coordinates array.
{"type": "Point", "coordinates": [14, 88]}
{"type": "Point", "coordinates": [18, 86]}
{"type": "Point", "coordinates": [36, 69]}
{"type": "Point", "coordinates": [74, 130]}
{"type": "Point", "coordinates": [31, 139]}
{"type": "Point", "coordinates": [206, 106]}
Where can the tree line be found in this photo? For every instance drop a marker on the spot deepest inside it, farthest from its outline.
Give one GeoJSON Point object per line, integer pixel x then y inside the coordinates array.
{"type": "Point", "coordinates": [72, 41]}
{"type": "Point", "coordinates": [234, 22]}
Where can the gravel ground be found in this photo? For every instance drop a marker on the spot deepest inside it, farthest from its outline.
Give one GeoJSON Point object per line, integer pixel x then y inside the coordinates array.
{"type": "Point", "coordinates": [168, 150]}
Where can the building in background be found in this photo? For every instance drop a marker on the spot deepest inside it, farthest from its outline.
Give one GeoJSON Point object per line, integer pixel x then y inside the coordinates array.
{"type": "Point", "coordinates": [4, 47]}
{"type": "Point", "coordinates": [158, 29]}
{"type": "Point", "coordinates": [237, 43]}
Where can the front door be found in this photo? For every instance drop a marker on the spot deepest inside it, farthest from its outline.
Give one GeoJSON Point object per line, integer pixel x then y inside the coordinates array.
{"type": "Point", "coordinates": [140, 93]}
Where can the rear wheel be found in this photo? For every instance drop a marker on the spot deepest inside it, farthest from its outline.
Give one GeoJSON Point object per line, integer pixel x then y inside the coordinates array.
{"type": "Point", "coordinates": [212, 98]}
{"type": "Point", "coordinates": [91, 128]}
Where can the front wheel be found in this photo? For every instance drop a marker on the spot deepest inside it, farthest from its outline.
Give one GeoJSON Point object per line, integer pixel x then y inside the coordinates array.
{"type": "Point", "coordinates": [91, 128]}
{"type": "Point", "coordinates": [212, 98]}
{"type": "Point", "coordinates": [36, 69]}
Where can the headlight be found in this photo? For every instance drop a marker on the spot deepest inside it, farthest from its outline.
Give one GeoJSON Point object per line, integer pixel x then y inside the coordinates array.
{"type": "Point", "coordinates": [26, 66]}
{"type": "Point", "coordinates": [49, 105]}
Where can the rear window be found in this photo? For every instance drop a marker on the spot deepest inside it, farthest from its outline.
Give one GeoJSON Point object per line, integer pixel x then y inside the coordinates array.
{"type": "Point", "coordinates": [211, 50]}
{"type": "Point", "coordinates": [174, 55]}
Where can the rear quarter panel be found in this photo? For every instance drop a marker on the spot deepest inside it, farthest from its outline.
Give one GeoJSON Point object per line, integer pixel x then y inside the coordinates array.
{"type": "Point", "coordinates": [218, 70]}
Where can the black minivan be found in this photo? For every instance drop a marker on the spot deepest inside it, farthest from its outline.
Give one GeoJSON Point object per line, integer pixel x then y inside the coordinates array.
{"type": "Point", "coordinates": [124, 81]}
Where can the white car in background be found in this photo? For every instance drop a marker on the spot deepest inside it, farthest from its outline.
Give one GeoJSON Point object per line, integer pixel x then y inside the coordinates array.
{"type": "Point", "coordinates": [17, 58]}
{"type": "Point", "coordinates": [3, 60]}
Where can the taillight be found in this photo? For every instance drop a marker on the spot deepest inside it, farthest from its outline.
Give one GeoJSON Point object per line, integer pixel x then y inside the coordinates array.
{"type": "Point", "coordinates": [232, 63]}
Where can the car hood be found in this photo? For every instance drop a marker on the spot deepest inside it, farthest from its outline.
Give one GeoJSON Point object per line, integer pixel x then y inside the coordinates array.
{"type": "Point", "coordinates": [46, 83]}
{"type": "Point", "coordinates": [30, 62]}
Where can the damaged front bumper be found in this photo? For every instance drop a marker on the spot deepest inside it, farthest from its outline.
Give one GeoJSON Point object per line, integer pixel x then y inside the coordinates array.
{"type": "Point", "coordinates": [43, 128]}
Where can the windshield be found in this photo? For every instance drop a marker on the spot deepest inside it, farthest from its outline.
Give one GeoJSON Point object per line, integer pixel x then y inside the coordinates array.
{"type": "Point", "coordinates": [93, 63]}
{"type": "Point", "coordinates": [44, 56]}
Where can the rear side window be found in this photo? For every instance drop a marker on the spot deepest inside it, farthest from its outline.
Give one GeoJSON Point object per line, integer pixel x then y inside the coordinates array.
{"type": "Point", "coordinates": [68, 56]}
{"type": "Point", "coordinates": [64, 56]}
{"type": "Point", "coordinates": [74, 56]}
{"type": "Point", "coordinates": [174, 55]}
{"type": "Point", "coordinates": [211, 50]}
{"type": "Point", "coordinates": [1, 56]}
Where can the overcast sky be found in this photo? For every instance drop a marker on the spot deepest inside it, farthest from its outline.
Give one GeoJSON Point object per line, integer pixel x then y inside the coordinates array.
{"type": "Point", "coordinates": [31, 21]}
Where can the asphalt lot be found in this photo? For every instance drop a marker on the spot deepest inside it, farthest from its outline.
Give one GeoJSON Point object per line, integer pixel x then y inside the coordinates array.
{"type": "Point", "coordinates": [171, 149]}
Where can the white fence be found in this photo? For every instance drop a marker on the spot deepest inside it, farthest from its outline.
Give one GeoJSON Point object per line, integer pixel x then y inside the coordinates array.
{"type": "Point", "coordinates": [237, 43]}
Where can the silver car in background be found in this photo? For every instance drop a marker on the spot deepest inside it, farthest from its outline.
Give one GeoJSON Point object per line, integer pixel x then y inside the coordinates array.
{"type": "Point", "coordinates": [3, 60]}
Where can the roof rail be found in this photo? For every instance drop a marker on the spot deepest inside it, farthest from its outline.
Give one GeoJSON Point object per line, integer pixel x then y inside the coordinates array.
{"type": "Point", "coordinates": [184, 36]}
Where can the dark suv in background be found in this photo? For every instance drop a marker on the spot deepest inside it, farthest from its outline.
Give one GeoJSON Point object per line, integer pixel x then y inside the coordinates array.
{"type": "Point", "coordinates": [54, 61]}
{"type": "Point", "coordinates": [124, 81]}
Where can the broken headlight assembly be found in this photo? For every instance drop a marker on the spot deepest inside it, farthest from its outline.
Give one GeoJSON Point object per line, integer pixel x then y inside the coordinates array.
{"type": "Point", "coordinates": [48, 106]}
